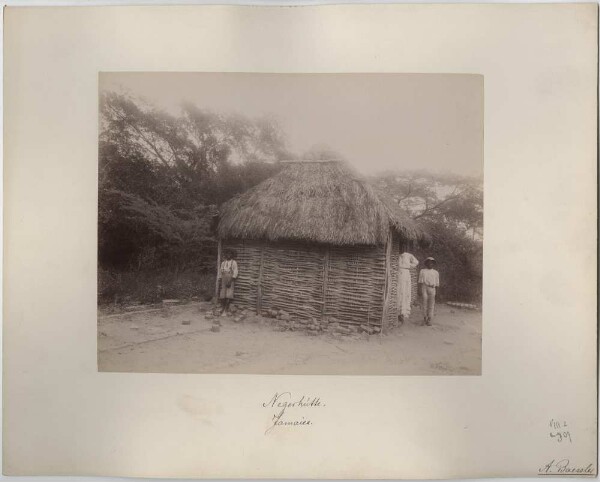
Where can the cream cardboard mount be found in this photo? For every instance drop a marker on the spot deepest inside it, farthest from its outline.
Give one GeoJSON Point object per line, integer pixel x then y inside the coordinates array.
{"type": "Point", "coordinates": [531, 412]}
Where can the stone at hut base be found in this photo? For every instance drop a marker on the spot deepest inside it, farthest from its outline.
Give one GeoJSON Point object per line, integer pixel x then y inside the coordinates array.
{"type": "Point", "coordinates": [186, 322]}
{"type": "Point", "coordinates": [215, 328]}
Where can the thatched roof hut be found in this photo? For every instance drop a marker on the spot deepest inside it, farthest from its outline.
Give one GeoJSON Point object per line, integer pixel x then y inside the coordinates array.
{"type": "Point", "coordinates": [317, 201]}
{"type": "Point", "coordinates": [317, 241]}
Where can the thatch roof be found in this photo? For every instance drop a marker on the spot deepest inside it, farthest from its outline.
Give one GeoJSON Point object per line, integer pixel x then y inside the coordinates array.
{"type": "Point", "coordinates": [315, 201]}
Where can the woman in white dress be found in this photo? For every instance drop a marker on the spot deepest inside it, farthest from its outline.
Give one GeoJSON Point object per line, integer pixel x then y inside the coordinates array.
{"type": "Point", "coordinates": [406, 262]}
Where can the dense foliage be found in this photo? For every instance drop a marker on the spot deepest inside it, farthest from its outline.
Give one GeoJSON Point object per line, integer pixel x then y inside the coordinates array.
{"type": "Point", "coordinates": [450, 207]}
{"type": "Point", "coordinates": [162, 177]}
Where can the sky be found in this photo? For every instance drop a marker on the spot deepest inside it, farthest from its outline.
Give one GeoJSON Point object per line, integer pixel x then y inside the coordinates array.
{"type": "Point", "coordinates": [377, 122]}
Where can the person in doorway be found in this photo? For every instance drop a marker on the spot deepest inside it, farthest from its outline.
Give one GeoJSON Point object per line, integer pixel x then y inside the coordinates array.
{"type": "Point", "coordinates": [406, 262]}
{"type": "Point", "coordinates": [429, 280]}
{"type": "Point", "coordinates": [228, 273]}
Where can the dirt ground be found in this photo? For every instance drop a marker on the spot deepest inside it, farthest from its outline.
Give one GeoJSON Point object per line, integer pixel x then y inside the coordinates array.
{"type": "Point", "coordinates": [160, 340]}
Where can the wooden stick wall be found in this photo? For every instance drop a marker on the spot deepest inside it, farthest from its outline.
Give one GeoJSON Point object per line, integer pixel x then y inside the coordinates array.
{"type": "Point", "coordinates": [316, 281]}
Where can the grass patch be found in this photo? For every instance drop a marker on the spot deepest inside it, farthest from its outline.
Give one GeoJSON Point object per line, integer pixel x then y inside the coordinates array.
{"type": "Point", "coordinates": [147, 287]}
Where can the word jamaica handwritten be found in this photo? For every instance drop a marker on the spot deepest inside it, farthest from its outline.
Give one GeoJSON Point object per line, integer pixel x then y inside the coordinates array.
{"type": "Point", "coordinates": [284, 403]}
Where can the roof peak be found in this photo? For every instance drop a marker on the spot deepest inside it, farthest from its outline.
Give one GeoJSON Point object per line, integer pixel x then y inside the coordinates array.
{"type": "Point", "coordinates": [315, 201]}
{"type": "Point", "coordinates": [311, 161]}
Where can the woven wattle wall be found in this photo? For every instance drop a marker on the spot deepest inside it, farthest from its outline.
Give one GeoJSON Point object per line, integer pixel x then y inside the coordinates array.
{"type": "Point", "coordinates": [293, 279]}
{"type": "Point", "coordinates": [355, 285]}
{"type": "Point", "coordinates": [248, 255]}
{"type": "Point", "coordinates": [392, 318]}
{"type": "Point", "coordinates": [346, 283]}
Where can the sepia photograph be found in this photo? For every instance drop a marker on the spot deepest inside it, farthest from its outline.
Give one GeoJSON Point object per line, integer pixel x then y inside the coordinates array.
{"type": "Point", "coordinates": [300, 242]}
{"type": "Point", "coordinates": [323, 224]}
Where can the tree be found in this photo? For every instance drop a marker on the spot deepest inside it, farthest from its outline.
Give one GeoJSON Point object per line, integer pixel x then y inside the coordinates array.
{"type": "Point", "coordinates": [447, 198]}
{"type": "Point", "coordinates": [162, 176]}
{"type": "Point", "coordinates": [450, 208]}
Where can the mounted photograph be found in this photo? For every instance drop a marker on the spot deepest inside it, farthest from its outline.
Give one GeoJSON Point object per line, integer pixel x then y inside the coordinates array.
{"type": "Point", "coordinates": [316, 224]}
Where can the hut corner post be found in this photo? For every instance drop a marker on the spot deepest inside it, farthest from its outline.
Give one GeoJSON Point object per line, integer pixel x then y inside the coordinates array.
{"type": "Point", "coordinates": [219, 248]}
{"type": "Point", "coordinates": [260, 281]}
{"type": "Point", "coordinates": [325, 281]}
{"type": "Point", "coordinates": [388, 285]}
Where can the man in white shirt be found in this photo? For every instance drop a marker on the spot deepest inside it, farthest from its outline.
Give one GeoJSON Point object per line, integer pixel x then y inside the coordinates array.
{"type": "Point", "coordinates": [228, 273]}
{"type": "Point", "coordinates": [405, 263]}
{"type": "Point", "coordinates": [429, 279]}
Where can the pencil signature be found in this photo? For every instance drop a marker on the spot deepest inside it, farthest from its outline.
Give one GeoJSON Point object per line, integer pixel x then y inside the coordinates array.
{"type": "Point", "coordinates": [564, 467]}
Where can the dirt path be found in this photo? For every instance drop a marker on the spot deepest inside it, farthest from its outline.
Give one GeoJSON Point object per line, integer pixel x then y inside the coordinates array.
{"type": "Point", "coordinates": [160, 342]}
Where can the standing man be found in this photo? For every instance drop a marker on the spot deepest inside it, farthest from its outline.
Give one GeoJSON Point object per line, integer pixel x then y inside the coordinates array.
{"type": "Point", "coordinates": [429, 279]}
{"type": "Point", "coordinates": [405, 263]}
{"type": "Point", "coordinates": [228, 273]}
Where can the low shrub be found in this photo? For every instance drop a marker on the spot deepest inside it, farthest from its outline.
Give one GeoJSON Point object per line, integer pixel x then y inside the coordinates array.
{"type": "Point", "coordinates": [126, 287]}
